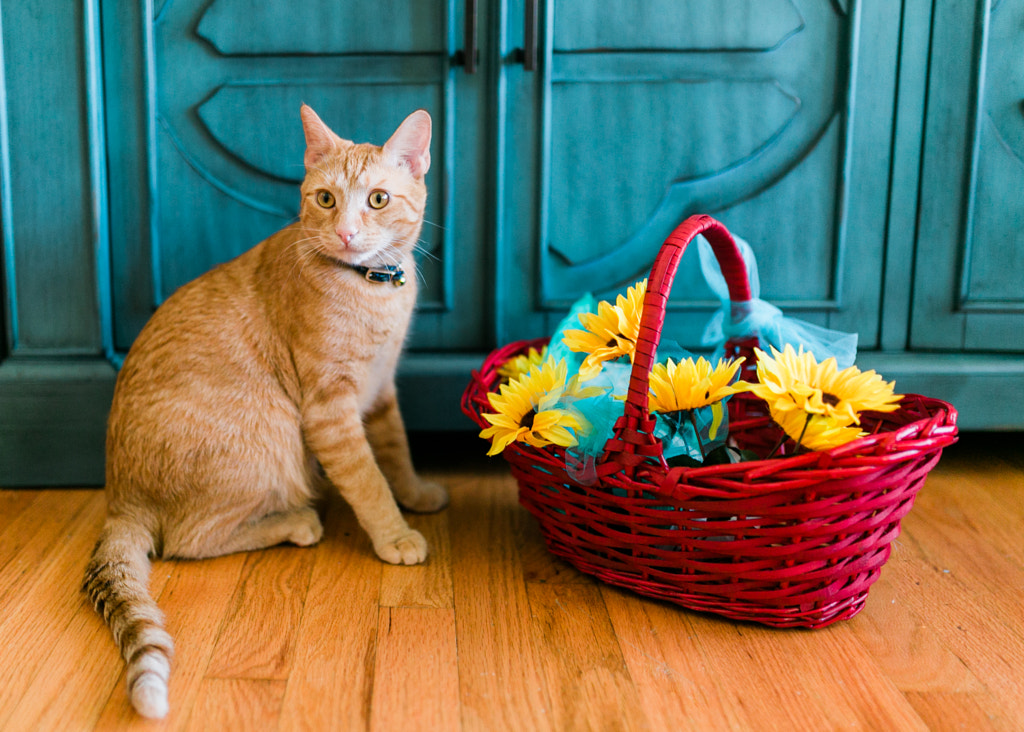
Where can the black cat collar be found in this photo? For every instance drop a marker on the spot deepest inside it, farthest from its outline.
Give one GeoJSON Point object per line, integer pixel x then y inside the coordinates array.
{"type": "Point", "coordinates": [379, 275]}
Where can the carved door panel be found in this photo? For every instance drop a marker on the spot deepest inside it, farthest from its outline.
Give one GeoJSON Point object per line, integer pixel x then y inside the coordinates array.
{"type": "Point", "coordinates": [211, 116]}
{"type": "Point", "coordinates": [773, 116]}
{"type": "Point", "coordinates": [969, 283]}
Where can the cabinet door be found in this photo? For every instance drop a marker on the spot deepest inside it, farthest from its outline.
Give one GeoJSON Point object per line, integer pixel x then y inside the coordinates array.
{"type": "Point", "coordinates": [774, 116]}
{"type": "Point", "coordinates": [969, 283]}
{"type": "Point", "coordinates": [55, 385]}
{"type": "Point", "coordinates": [207, 144]}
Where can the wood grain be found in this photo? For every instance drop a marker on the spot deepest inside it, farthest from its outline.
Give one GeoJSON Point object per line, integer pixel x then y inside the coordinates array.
{"type": "Point", "coordinates": [423, 585]}
{"type": "Point", "coordinates": [802, 680]}
{"type": "Point", "coordinates": [44, 599]}
{"type": "Point", "coordinates": [257, 637]}
{"type": "Point", "coordinates": [582, 666]}
{"type": "Point", "coordinates": [335, 646]}
{"type": "Point", "coordinates": [943, 710]}
{"type": "Point", "coordinates": [195, 598]}
{"type": "Point", "coordinates": [498, 661]}
{"type": "Point", "coordinates": [241, 704]}
{"type": "Point", "coordinates": [677, 687]}
{"type": "Point", "coordinates": [71, 686]}
{"type": "Point", "coordinates": [902, 641]}
{"type": "Point", "coordinates": [32, 535]}
{"type": "Point", "coordinates": [12, 503]}
{"type": "Point", "coordinates": [416, 679]}
{"type": "Point", "coordinates": [496, 634]}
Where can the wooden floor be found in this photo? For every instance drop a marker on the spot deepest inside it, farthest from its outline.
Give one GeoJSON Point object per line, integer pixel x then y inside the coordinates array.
{"type": "Point", "coordinates": [494, 634]}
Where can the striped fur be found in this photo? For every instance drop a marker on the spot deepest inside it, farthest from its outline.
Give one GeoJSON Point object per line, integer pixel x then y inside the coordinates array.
{"type": "Point", "coordinates": [116, 583]}
{"type": "Point", "coordinates": [258, 383]}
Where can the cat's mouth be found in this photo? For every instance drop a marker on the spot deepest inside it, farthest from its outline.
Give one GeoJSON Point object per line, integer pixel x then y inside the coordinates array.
{"type": "Point", "coordinates": [338, 261]}
{"type": "Point", "coordinates": [354, 259]}
{"type": "Point", "coordinates": [368, 252]}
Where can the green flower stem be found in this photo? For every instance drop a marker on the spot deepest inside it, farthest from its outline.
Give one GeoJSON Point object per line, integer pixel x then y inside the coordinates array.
{"type": "Point", "coordinates": [802, 433]}
{"type": "Point", "coordinates": [778, 444]}
{"type": "Point", "coordinates": [784, 436]}
{"type": "Point", "coordinates": [696, 431]}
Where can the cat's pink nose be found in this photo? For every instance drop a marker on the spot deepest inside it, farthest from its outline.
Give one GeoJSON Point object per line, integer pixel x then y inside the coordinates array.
{"type": "Point", "coordinates": [347, 235]}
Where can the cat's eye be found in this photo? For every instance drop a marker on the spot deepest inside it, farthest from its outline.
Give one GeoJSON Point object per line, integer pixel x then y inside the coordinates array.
{"type": "Point", "coordinates": [325, 199]}
{"type": "Point", "coordinates": [379, 199]}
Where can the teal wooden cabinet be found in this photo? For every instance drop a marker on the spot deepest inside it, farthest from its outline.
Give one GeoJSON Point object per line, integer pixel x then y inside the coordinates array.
{"type": "Point", "coordinates": [869, 150]}
{"type": "Point", "coordinates": [969, 278]}
{"type": "Point", "coordinates": [775, 117]}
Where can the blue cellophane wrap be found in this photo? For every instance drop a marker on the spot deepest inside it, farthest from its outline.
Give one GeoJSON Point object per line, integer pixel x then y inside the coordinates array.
{"type": "Point", "coordinates": [600, 413]}
{"type": "Point", "coordinates": [764, 319]}
{"type": "Point", "coordinates": [556, 348]}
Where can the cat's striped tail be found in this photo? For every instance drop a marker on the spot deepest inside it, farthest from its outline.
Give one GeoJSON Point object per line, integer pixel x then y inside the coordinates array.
{"type": "Point", "coordinates": [117, 584]}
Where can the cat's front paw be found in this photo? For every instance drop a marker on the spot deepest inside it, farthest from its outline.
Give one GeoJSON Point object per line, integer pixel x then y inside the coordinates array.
{"type": "Point", "coordinates": [408, 548]}
{"type": "Point", "coordinates": [429, 497]}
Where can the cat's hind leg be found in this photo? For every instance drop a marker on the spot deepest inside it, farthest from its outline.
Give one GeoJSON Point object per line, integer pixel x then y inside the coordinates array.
{"type": "Point", "coordinates": [299, 526]}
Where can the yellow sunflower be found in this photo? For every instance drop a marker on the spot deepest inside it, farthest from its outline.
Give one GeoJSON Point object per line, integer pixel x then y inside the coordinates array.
{"type": "Point", "coordinates": [691, 384]}
{"type": "Point", "coordinates": [610, 333]}
{"type": "Point", "coordinates": [814, 431]}
{"type": "Point", "coordinates": [818, 401]}
{"type": "Point", "coordinates": [632, 305]}
{"type": "Point", "coordinates": [522, 363]}
{"type": "Point", "coordinates": [524, 409]}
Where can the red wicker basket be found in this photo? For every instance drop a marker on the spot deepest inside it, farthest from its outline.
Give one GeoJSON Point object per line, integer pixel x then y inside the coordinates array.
{"type": "Point", "coordinates": [792, 541]}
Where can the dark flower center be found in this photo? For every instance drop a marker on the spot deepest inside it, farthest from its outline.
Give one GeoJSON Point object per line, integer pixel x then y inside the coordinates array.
{"type": "Point", "coordinates": [527, 420]}
{"type": "Point", "coordinates": [830, 399]}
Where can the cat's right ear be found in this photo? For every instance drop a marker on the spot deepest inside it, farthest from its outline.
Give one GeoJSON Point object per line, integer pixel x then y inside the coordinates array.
{"type": "Point", "coordinates": [320, 140]}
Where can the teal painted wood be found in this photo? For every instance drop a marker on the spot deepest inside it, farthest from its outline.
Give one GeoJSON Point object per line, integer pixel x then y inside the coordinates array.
{"type": "Point", "coordinates": [695, 25]}
{"type": "Point", "coordinates": [901, 226]}
{"type": "Point", "coordinates": [224, 148]}
{"type": "Point", "coordinates": [53, 413]}
{"type": "Point", "coordinates": [542, 182]}
{"type": "Point", "coordinates": [129, 137]}
{"type": "Point", "coordinates": [52, 421]}
{"type": "Point", "coordinates": [968, 292]}
{"type": "Point", "coordinates": [613, 148]}
{"type": "Point", "coordinates": [967, 381]}
{"type": "Point", "coordinates": [54, 205]}
{"type": "Point", "coordinates": [324, 27]}
{"type": "Point", "coordinates": [8, 289]}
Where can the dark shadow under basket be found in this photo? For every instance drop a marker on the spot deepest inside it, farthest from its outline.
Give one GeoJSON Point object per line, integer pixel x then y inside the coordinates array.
{"type": "Point", "coordinates": [792, 541]}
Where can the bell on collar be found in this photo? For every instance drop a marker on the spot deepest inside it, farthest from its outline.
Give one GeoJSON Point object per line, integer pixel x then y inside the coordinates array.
{"type": "Point", "coordinates": [389, 274]}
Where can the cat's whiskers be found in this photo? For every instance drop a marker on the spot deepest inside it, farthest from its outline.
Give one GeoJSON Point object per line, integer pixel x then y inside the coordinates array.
{"type": "Point", "coordinates": [303, 255]}
{"type": "Point", "coordinates": [417, 247]}
{"type": "Point", "coordinates": [395, 253]}
{"type": "Point", "coordinates": [308, 255]}
{"type": "Point", "coordinates": [390, 256]}
{"type": "Point", "coordinates": [436, 226]}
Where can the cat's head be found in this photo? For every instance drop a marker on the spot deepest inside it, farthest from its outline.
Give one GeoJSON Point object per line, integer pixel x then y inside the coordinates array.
{"type": "Point", "coordinates": [363, 204]}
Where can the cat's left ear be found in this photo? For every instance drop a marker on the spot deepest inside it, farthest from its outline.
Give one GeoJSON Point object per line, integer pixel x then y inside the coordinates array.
{"type": "Point", "coordinates": [410, 145]}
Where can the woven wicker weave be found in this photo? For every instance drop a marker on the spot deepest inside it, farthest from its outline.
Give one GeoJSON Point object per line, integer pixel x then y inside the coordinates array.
{"type": "Point", "coordinates": [792, 541]}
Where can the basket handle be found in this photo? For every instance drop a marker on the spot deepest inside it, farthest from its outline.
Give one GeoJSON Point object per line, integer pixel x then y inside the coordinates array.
{"type": "Point", "coordinates": [634, 441]}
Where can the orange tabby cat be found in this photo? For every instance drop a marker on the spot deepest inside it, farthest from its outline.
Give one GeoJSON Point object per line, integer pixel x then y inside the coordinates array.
{"type": "Point", "coordinates": [263, 381]}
